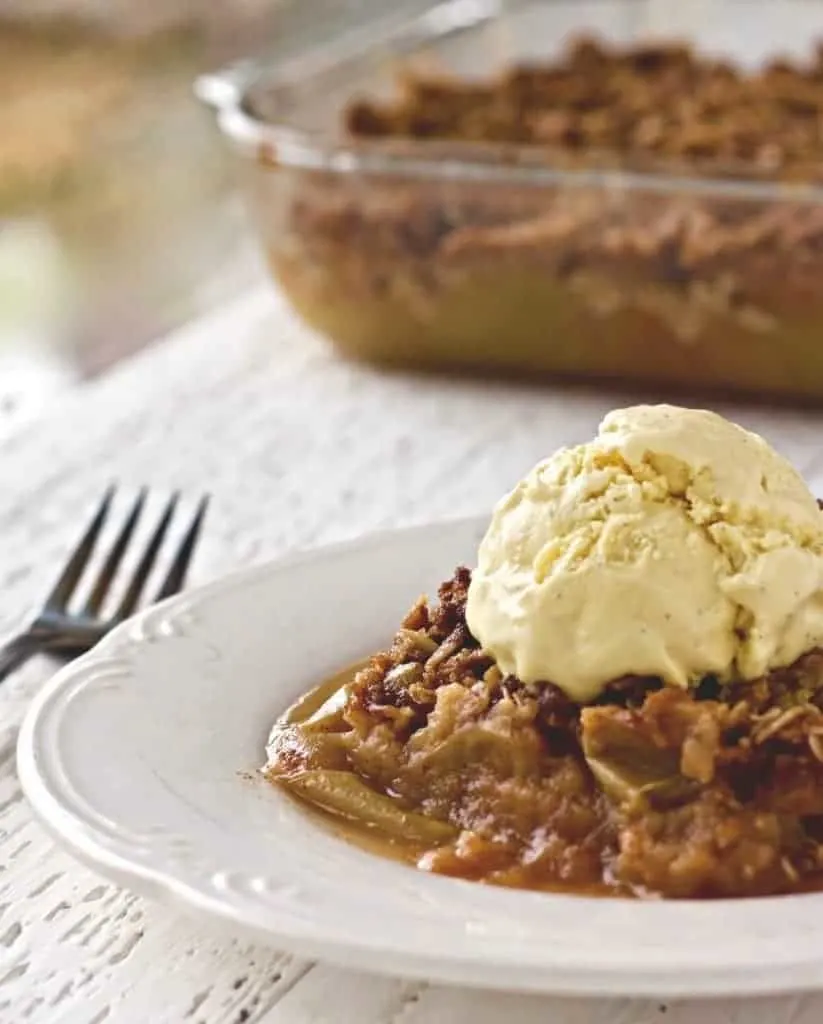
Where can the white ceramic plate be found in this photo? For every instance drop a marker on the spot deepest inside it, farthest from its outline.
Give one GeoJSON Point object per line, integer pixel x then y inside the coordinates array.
{"type": "Point", "coordinates": [141, 757]}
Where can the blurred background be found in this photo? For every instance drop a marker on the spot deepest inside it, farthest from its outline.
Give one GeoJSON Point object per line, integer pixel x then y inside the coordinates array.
{"type": "Point", "coordinates": [118, 217]}
{"type": "Point", "coordinates": [121, 218]}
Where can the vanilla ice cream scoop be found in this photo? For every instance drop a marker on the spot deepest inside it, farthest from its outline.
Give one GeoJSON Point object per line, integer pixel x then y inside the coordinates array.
{"type": "Point", "coordinates": [675, 544]}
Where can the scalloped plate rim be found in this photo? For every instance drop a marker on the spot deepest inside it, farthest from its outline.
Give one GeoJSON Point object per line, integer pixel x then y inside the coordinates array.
{"type": "Point", "coordinates": [803, 973]}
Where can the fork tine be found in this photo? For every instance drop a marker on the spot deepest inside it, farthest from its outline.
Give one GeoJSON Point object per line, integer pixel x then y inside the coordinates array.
{"type": "Point", "coordinates": [70, 577]}
{"type": "Point", "coordinates": [104, 580]}
{"type": "Point", "coordinates": [176, 578]}
{"type": "Point", "coordinates": [141, 575]}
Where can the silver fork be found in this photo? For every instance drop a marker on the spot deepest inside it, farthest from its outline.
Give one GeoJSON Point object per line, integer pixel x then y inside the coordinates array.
{"type": "Point", "coordinates": [57, 629]}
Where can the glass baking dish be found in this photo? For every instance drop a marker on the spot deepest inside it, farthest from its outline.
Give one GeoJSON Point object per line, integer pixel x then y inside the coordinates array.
{"type": "Point", "coordinates": [434, 253]}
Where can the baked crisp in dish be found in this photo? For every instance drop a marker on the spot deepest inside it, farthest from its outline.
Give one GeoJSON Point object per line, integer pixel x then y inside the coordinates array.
{"type": "Point", "coordinates": [692, 266]}
{"type": "Point", "coordinates": [624, 697]}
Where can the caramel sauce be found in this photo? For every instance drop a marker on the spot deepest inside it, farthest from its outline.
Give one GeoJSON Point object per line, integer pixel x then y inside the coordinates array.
{"type": "Point", "coordinates": [350, 830]}
{"type": "Point", "coordinates": [441, 859]}
{"type": "Point", "coordinates": [379, 843]}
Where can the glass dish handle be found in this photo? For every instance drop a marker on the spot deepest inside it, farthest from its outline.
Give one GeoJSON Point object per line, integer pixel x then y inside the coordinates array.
{"type": "Point", "coordinates": [224, 88]}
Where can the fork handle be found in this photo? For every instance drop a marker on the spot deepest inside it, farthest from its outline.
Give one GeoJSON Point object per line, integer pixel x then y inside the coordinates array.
{"type": "Point", "coordinates": [16, 653]}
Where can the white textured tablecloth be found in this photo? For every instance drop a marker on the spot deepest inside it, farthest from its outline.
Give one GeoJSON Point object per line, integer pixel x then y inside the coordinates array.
{"type": "Point", "coordinates": [297, 448]}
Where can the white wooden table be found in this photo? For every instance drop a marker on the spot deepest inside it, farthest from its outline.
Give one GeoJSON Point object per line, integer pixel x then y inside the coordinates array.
{"type": "Point", "coordinates": [297, 448]}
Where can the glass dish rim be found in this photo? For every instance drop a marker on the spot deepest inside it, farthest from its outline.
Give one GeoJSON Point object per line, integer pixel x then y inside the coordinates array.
{"type": "Point", "coordinates": [277, 145]}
